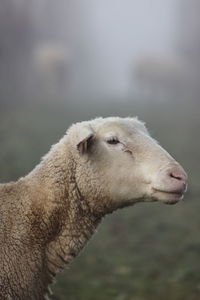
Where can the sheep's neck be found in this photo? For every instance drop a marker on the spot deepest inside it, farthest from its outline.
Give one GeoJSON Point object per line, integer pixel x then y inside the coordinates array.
{"type": "Point", "coordinates": [63, 221]}
{"type": "Point", "coordinates": [75, 223]}
{"type": "Point", "coordinates": [71, 239]}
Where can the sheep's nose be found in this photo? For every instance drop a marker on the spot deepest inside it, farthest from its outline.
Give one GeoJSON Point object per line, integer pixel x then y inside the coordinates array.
{"type": "Point", "coordinates": [178, 179]}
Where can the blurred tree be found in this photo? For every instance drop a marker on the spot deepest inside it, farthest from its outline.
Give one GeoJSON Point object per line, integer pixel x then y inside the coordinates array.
{"type": "Point", "coordinates": [17, 36]}
{"type": "Point", "coordinates": [188, 40]}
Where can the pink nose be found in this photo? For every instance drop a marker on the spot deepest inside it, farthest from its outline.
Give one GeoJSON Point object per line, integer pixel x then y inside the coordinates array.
{"type": "Point", "coordinates": [178, 179]}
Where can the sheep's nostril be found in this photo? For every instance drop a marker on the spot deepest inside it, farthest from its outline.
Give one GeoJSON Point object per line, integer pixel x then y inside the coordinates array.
{"type": "Point", "coordinates": [177, 176]}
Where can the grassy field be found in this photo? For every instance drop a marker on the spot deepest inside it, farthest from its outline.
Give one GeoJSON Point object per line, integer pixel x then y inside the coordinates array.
{"type": "Point", "coordinates": [146, 252]}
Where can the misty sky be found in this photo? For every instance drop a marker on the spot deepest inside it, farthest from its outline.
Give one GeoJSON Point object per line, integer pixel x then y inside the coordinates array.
{"type": "Point", "coordinates": [104, 38]}
{"type": "Point", "coordinates": [119, 31]}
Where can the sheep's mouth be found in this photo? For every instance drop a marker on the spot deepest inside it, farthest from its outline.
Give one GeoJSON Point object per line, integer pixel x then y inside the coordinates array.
{"type": "Point", "coordinates": [168, 197]}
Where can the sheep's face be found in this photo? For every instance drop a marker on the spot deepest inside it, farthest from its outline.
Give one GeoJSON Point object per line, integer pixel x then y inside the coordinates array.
{"type": "Point", "coordinates": [129, 164]}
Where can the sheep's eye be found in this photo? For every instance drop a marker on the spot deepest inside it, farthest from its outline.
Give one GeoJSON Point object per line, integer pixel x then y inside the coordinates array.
{"type": "Point", "coordinates": [113, 141]}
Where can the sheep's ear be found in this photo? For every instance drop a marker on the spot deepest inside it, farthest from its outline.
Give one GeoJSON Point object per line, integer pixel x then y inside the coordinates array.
{"type": "Point", "coordinates": [86, 140]}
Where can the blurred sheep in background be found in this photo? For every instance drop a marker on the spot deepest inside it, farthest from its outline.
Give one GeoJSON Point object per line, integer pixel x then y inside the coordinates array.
{"type": "Point", "coordinates": [52, 65]}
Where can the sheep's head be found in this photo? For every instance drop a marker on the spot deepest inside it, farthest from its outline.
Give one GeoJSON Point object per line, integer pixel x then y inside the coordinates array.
{"type": "Point", "coordinates": [117, 157]}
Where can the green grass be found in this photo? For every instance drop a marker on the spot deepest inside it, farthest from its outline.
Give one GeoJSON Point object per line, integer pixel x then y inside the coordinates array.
{"type": "Point", "coordinates": [149, 251]}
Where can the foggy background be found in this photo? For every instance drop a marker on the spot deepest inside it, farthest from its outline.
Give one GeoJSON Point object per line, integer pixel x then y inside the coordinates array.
{"type": "Point", "coordinates": [69, 60]}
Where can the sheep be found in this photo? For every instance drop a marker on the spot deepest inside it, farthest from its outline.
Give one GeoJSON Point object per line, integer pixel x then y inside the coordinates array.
{"type": "Point", "coordinates": [51, 64]}
{"type": "Point", "coordinates": [48, 216]}
{"type": "Point", "coordinates": [161, 77]}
